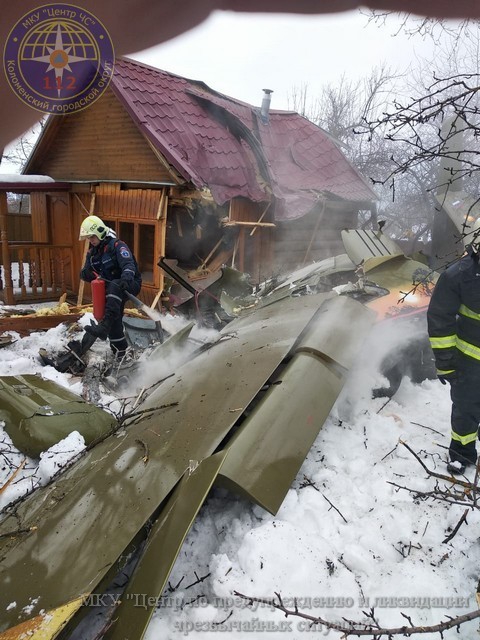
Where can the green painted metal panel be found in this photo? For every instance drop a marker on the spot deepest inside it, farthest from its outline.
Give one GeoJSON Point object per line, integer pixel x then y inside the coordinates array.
{"type": "Point", "coordinates": [338, 332]}
{"type": "Point", "coordinates": [93, 511]}
{"type": "Point", "coordinates": [164, 543]}
{"type": "Point", "coordinates": [399, 272]}
{"type": "Point", "coordinates": [39, 413]}
{"type": "Point", "coordinates": [266, 453]}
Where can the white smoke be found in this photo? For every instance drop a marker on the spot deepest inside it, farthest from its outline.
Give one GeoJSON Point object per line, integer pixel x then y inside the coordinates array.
{"type": "Point", "coordinates": [386, 347]}
{"type": "Point", "coordinates": [155, 365]}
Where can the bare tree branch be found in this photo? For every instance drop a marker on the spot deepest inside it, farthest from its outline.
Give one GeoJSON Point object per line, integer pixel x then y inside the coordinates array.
{"type": "Point", "coordinates": [350, 628]}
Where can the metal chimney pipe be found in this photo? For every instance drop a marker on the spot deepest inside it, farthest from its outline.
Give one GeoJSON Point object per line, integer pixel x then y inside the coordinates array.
{"type": "Point", "coordinates": [265, 108]}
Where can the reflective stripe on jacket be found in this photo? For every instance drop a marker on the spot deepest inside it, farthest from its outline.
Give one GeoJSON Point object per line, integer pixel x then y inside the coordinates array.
{"type": "Point", "coordinates": [111, 259]}
{"type": "Point", "coordinates": [454, 314]}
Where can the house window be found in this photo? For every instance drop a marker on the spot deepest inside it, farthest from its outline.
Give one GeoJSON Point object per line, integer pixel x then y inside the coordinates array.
{"type": "Point", "coordinates": [127, 234]}
{"type": "Point", "coordinates": [18, 203]}
{"type": "Point", "coordinates": [146, 251]}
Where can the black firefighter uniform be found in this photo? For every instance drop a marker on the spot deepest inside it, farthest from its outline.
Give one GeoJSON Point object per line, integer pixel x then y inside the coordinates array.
{"type": "Point", "coordinates": [454, 330]}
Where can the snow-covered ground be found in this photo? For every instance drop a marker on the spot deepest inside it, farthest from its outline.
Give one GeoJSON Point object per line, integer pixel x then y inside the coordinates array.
{"type": "Point", "coordinates": [346, 538]}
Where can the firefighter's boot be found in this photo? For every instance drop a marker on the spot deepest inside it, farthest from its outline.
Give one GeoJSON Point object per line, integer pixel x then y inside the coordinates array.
{"type": "Point", "coordinates": [456, 467]}
{"type": "Point", "coordinates": [87, 342]}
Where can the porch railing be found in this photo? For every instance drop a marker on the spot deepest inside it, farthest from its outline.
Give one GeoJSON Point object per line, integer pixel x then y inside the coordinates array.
{"type": "Point", "coordinates": [35, 272]}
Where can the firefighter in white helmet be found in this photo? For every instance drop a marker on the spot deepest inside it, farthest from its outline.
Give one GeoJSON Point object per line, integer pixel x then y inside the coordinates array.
{"type": "Point", "coordinates": [454, 329]}
{"type": "Point", "coordinates": [112, 260]}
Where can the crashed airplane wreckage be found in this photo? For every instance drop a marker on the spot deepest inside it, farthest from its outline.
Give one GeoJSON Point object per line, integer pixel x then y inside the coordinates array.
{"type": "Point", "coordinates": [241, 413]}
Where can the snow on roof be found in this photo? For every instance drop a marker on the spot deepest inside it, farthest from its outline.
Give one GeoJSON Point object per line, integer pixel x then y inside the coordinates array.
{"type": "Point", "coordinates": [19, 183]}
{"type": "Point", "coordinates": [21, 179]}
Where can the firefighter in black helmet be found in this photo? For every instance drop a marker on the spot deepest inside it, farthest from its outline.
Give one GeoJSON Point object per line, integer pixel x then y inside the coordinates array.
{"type": "Point", "coordinates": [112, 260]}
{"type": "Point", "coordinates": [454, 330]}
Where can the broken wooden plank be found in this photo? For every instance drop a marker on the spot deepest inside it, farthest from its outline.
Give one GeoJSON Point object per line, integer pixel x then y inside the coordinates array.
{"type": "Point", "coordinates": [11, 478]}
{"type": "Point", "coordinates": [28, 324]}
{"type": "Point", "coordinates": [204, 263]}
{"type": "Point", "coordinates": [260, 219]}
{"type": "Point", "coordinates": [156, 299]}
{"type": "Point", "coordinates": [162, 205]}
{"type": "Point", "coordinates": [219, 260]}
{"type": "Point", "coordinates": [239, 223]}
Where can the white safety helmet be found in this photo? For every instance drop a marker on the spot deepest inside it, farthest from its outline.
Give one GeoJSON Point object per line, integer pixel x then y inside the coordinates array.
{"type": "Point", "coordinates": [93, 226]}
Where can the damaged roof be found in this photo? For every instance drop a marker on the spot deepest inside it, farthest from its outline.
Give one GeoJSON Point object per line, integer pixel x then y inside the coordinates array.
{"type": "Point", "coordinates": [221, 143]}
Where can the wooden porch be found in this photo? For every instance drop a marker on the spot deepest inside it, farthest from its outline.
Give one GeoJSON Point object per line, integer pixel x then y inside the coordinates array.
{"type": "Point", "coordinates": [35, 273]}
{"type": "Point", "coordinates": [32, 267]}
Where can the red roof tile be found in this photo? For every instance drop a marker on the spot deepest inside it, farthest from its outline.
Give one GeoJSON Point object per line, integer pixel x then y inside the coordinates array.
{"type": "Point", "coordinates": [221, 143]}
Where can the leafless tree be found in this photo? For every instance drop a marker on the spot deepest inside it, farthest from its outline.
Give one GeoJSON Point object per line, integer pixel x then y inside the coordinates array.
{"type": "Point", "coordinates": [370, 627]}
{"type": "Point", "coordinates": [433, 127]}
{"type": "Point", "coordinates": [391, 126]}
{"type": "Point", "coordinates": [343, 107]}
{"type": "Point", "coordinates": [426, 27]}
{"type": "Point", "coordinates": [343, 110]}
{"type": "Point", "coordinates": [18, 153]}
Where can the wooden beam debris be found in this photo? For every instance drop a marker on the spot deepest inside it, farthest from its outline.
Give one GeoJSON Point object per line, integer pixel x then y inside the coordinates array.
{"type": "Point", "coordinates": [239, 223]}
{"type": "Point", "coordinates": [260, 219]}
{"type": "Point", "coordinates": [162, 205]}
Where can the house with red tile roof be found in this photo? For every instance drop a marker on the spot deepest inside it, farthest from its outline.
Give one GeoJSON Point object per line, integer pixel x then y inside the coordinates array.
{"type": "Point", "coordinates": [182, 171]}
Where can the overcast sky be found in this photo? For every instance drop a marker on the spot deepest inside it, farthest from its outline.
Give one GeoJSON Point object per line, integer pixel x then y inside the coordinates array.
{"type": "Point", "coordinates": [241, 54]}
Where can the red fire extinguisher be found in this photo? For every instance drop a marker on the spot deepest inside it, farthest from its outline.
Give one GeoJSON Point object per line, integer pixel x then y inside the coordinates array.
{"type": "Point", "coordinates": [98, 298]}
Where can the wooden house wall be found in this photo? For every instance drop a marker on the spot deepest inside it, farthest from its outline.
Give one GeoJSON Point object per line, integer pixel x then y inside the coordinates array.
{"type": "Point", "coordinates": [52, 221]}
{"type": "Point", "coordinates": [38, 210]}
{"type": "Point", "coordinates": [254, 246]}
{"type": "Point", "coordinates": [312, 238]}
{"type": "Point", "coordinates": [19, 227]}
{"type": "Point", "coordinates": [98, 143]}
{"type": "Point", "coordinates": [111, 200]}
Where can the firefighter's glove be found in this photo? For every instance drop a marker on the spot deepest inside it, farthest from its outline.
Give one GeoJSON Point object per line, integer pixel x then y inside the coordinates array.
{"type": "Point", "coordinates": [123, 284]}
